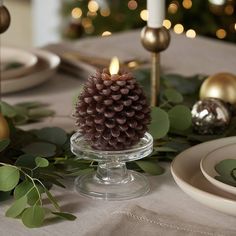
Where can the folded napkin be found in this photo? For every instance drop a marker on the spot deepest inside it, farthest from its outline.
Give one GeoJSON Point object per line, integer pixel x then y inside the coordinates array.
{"type": "Point", "coordinates": [138, 221]}
{"type": "Point", "coordinates": [84, 56]}
{"type": "Point", "coordinates": [69, 63]}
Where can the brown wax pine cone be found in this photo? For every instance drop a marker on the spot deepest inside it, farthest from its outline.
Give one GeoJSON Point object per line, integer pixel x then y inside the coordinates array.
{"type": "Point", "coordinates": [112, 112]}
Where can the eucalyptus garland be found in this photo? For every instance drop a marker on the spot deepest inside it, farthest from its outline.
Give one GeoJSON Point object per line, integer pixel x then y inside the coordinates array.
{"type": "Point", "coordinates": [33, 161]}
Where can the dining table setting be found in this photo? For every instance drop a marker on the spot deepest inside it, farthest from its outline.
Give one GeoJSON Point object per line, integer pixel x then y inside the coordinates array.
{"type": "Point", "coordinates": [82, 151]}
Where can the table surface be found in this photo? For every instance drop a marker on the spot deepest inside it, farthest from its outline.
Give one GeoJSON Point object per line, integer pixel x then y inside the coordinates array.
{"type": "Point", "coordinates": [184, 56]}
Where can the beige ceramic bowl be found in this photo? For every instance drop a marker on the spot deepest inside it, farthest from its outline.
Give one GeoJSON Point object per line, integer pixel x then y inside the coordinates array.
{"type": "Point", "coordinates": [14, 55]}
{"type": "Point", "coordinates": [208, 163]}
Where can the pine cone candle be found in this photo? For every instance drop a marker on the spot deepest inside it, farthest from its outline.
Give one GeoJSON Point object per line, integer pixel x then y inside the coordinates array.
{"type": "Point", "coordinates": [112, 111]}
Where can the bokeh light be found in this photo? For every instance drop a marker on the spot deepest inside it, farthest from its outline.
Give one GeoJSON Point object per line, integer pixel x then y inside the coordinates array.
{"type": "Point", "coordinates": [93, 6]}
{"type": "Point", "coordinates": [187, 4]}
{"type": "Point", "coordinates": [173, 7]}
{"type": "Point", "coordinates": [217, 2]}
{"type": "Point", "coordinates": [86, 22]}
{"type": "Point", "coordinates": [221, 33]}
{"type": "Point", "coordinates": [144, 15]}
{"type": "Point", "coordinates": [178, 29]}
{"type": "Point", "coordinates": [167, 23]}
{"type": "Point", "coordinates": [132, 4]}
{"type": "Point", "coordinates": [105, 12]}
{"type": "Point", "coordinates": [229, 10]}
{"type": "Point", "coordinates": [106, 33]}
{"type": "Point", "coordinates": [191, 33]}
{"type": "Point", "coordinates": [76, 13]}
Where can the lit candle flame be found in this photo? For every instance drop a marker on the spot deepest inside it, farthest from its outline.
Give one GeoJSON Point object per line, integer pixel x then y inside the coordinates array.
{"type": "Point", "coordinates": [114, 66]}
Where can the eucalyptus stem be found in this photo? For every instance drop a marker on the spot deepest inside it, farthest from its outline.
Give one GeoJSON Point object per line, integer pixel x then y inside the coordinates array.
{"type": "Point", "coordinates": [28, 176]}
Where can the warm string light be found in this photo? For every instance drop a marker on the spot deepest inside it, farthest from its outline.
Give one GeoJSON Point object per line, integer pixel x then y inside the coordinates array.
{"type": "Point", "coordinates": [173, 7]}
{"type": "Point", "coordinates": [167, 23]}
{"type": "Point", "coordinates": [105, 12]}
{"type": "Point", "coordinates": [221, 33]}
{"type": "Point", "coordinates": [187, 4]}
{"type": "Point", "coordinates": [217, 2]}
{"type": "Point", "coordinates": [93, 6]}
{"type": "Point", "coordinates": [132, 4]}
{"type": "Point", "coordinates": [178, 29]}
{"type": "Point", "coordinates": [76, 13]}
{"type": "Point", "coordinates": [229, 10]}
{"type": "Point", "coordinates": [190, 33]}
{"type": "Point", "coordinates": [106, 33]}
{"type": "Point", "coordinates": [144, 15]}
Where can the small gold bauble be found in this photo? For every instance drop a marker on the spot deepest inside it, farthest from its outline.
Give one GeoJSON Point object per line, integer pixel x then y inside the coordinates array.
{"type": "Point", "coordinates": [155, 39]}
{"type": "Point", "coordinates": [4, 128]}
{"type": "Point", "coordinates": [5, 19]}
{"type": "Point", "coordinates": [221, 85]}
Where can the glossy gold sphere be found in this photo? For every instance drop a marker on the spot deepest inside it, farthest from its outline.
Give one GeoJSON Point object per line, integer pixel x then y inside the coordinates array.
{"type": "Point", "coordinates": [155, 39]}
{"type": "Point", "coordinates": [4, 128]}
{"type": "Point", "coordinates": [5, 19]}
{"type": "Point", "coordinates": [221, 85]}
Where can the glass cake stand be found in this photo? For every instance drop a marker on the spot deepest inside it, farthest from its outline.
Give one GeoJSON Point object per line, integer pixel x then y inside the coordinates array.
{"type": "Point", "coordinates": [112, 180]}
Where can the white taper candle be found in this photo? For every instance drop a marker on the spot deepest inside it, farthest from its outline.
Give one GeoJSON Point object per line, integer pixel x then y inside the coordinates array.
{"type": "Point", "coordinates": [156, 13]}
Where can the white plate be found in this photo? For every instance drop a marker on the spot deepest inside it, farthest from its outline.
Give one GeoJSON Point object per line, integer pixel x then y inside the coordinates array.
{"type": "Point", "coordinates": [186, 171]}
{"type": "Point", "coordinates": [9, 55]}
{"type": "Point", "coordinates": [44, 69]}
{"type": "Point", "coordinates": [208, 163]}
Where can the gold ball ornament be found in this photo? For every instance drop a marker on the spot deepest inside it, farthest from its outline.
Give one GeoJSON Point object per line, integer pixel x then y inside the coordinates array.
{"type": "Point", "coordinates": [155, 39]}
{"type": "Point", "coordinates": [221, 86]}
{"type": "Point", "coordinates": [5, 19]}
{"type": "Point", "coordinates": [4, 128]}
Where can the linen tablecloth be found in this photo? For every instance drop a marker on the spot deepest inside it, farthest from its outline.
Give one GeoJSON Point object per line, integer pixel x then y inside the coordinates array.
{"type": "Point", "coordinates": [184, 56]}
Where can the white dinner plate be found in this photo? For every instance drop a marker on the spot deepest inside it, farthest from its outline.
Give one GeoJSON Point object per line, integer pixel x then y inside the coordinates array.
{"type": "Point", "coordinates": [15, 55]}
{"type": "Point", "coordinates": [186, 171]}
{"type": "Point", "coordinates": [209, 162]}
{"type": "Point", "coordinates": [43, 70]}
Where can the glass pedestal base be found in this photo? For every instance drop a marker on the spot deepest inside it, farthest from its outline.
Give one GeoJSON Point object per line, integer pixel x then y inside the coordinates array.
{"type": "Point", "coordinates": [91, 186]}
{"type": "Point", "coordinates": [112, 180]}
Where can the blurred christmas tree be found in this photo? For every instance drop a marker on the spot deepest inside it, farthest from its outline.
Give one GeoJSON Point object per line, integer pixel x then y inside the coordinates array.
{"type": "Point", "coordinates": [212, 18]}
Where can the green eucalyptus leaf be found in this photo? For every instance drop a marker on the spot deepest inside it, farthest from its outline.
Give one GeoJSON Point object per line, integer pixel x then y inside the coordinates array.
{"type": "Point", "coordinates": [159, 126]}
{"type": "Point", "coordinates": [52, 199]}
{"type": "Point", "coordinates": [41, 162]}
{"type": "Point", "coordinates": [178, 146]}
{"type": "Point", "coordinates": [225, 180]}
{"type": "Point", "coordinates": [7, 110]}
{"type": "Point", "coordinates": [185, 85]}
{"type": "Point", "coordinates": [52, 134]}
{"type": "Point", "coordinates": [150, 167]}
{"type": "Point", "coordinates": [79, 172]}
{"type": "Point", "coordinates": [40, 149]}
{"type": "Point", "coordinates": [172, 95]}
{"type": "Point", "coordinates": [65, 215]}
{"type": "Point", "coordinates": [38, 113]}
{"type": "Point", "coordinates": [233, 174]}
{"type": "Point", "coordinates": [224, 169]}
{"type": "Point", "coordinates": [34, 195]}
{"type": "Point", "coordinates": [22, 189]}
{"type": "Point", "coordinates": [30, 105]}
{"type": "Point", "coordinates": [20, 120]}
{"type": "Point", "coordinates": [27, 188]}
{"type": "Point", "coordinates": [165, 149]}
{"type": "Point", "coordinates": [17, 207]}
{"type": "Point", "coordinates": [9, 178]}
{"type": "Point", "coordinates": [26, 160]}
{"type": "Point", "coordinates": [33, 217]}
{"type": "Point", "coordinates": [180, 117]}
{"type": "Point", "coordinates": [4, 144]}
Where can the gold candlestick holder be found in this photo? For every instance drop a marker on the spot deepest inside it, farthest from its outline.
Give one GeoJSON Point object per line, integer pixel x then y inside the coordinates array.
{"type": "Point", "coordinates": [155, 40]}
